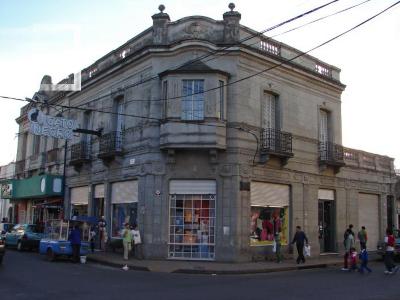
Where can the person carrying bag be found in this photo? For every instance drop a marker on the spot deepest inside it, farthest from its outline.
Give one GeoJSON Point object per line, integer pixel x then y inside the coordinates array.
{"type": "Point", "coordinates": [127, 240]}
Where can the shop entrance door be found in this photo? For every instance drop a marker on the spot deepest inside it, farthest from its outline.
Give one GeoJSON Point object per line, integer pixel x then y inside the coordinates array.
{"type": "Point", "coordinates": [98, 207]}
{"type": "Point", "coordinates": [326, 225]}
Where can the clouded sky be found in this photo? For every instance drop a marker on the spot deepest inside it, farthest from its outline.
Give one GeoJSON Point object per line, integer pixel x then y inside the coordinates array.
{"type": "Point", "coordinates": [62, 37]}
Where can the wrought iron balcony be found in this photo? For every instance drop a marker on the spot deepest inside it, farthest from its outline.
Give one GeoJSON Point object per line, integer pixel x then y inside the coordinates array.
{"type": "Point", "coordinates": [331, 154]}
{"type": "Point", "coordinates": [110, 145]}
{"type": "Point", "coordinates": [20, 167]}
{"type": "Point", "coordinates": [80, 153]}
{"type": "Point", "coordinates": [52, 156]}
{"type": "Point", "coordinates": [275, 142]}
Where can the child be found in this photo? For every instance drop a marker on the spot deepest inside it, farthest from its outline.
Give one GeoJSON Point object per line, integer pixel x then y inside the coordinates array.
{"type": "Point", "coordinates": [353, 259]}
{"type": "Point", "coordinates": [364, 261]}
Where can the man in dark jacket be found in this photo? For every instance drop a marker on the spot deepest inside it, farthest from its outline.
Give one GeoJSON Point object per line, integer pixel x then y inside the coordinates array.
{"type": "Point", "coordinates": [299, 238]}
{"type": "Point", "coordinates": [75, 239]}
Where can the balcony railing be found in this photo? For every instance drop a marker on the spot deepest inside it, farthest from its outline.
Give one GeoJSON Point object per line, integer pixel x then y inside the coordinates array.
{"type": "Point", "coordinates": [20, 167]}
{"type": "Point", "coordinates": [110, 144]}
{"type": "Point", "coordinates": [276, 142]}
{"type": "Point", "coordinates": [331, 154]}
{"type": "Point", "coordinates": [52, 155]}
{"type": "Point", "coordinates": [80, 153]}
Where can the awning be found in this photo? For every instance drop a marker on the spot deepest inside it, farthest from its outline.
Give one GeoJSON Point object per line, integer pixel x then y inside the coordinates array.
{"type": "Point", "coordinates": [34, 187]}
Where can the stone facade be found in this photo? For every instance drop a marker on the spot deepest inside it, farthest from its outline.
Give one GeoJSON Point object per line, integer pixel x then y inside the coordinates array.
{"type": "Point", "coordinates": [149, 140]}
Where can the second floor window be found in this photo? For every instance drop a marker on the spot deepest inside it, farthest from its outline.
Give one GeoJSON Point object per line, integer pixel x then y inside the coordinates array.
{"type": "Point", "coordinates": [36, 145]}
{"type": "Point", "coordinates": [323, 126]}
{"type": "Point", "coordinates": [268, 117]}
{"type": "Point", "coordinates": [192, 100]}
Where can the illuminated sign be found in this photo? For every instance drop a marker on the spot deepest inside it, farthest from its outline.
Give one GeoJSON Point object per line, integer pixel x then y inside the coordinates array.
{"type": "Point", "coordinates": [56, 127]}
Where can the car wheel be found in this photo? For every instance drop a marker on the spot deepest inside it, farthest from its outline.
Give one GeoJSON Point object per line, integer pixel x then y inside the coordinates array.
{"type": "Point", "coordinates": [19, 246]}
{"type": "Point", "coordinates": [1, 259]}
{"type": "Point", "coordinates": [50, 255]}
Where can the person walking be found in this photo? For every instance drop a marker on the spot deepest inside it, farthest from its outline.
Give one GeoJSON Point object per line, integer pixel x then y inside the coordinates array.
{"type": "Point", "coordinates": [278, 247]}
{"type": "Point", "coordinates": [137, 242]}
{"type": "Point", "coordinates": [353, 259]}
{"type": "Point", "coordinates": [75, 239]}
{"type": "Point", "coordinates": [348, 244]}
{"type": "Point", "coordinates": [102, 225]}
{"type": "Point", "coordinates": [299, 238]}
{"type": "Point", "coordinates": [388, 260]}
{"type": "Point", "coordinates": [364, 261]}
{"type": "Point", "coordinates": [127, 240]}
{"type": "Point", "coordinates": [92, 236]}
{"type": "Point", "coordinates": [362, 237]}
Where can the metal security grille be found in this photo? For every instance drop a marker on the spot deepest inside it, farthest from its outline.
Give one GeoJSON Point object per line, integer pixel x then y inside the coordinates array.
{"type": "Point", "coordinates": [192, 227]}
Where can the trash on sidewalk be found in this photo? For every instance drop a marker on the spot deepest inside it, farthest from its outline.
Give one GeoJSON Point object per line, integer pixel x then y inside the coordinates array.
{"type": "Point", "coordinates": [125, 268]}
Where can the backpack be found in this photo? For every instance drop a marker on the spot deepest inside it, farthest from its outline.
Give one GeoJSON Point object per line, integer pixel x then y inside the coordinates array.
{"type": "Point", "coordinates": [345, 236]}
{"type": "Point", "coordinates": [391, 241]}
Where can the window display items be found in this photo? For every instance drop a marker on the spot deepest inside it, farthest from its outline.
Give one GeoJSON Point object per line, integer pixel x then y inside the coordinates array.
{"type": "Point", "coordinates": [192, 226]}
{"type": "Point", "coordinates": [266, 222]}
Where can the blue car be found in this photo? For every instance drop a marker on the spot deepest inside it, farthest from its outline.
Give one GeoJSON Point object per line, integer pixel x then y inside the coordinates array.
{"type": "Point", "coordinates": [55, 243]}
{"type": "Point", "coordinates": [23, 236]}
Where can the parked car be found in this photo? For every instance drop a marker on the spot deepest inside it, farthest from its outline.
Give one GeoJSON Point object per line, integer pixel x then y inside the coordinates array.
{"type": "Point", "coordinates": [381, 247]}
{"type": "Point", "coordinates": [2, 249]}
{"type": "Point", "coordinates": [4, 228]}
{"type": "Point", "coordinates": [23, 236]}
{"type": "Point", "coordinates": [55, 243]}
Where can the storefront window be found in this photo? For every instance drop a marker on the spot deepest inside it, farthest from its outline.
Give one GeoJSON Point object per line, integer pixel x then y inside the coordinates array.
{"type": "Point", "coordinates": [123, 213]}
{"type": "Point", "coordinates": [192, 226]}
{"type": "Point", "coordinates": [266, 222]}
{"type": "Point", "coordinates": [79, 210]}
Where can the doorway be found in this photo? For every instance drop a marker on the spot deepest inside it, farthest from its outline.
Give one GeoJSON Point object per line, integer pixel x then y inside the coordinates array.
{"type": "Point", "coordinates": [98, 207]}
{"type": "Point", "coordinates": [326, 225]}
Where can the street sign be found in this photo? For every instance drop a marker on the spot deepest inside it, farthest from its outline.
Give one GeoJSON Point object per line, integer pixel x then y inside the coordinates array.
{"type": "Point", "coordinates": [56, 127]}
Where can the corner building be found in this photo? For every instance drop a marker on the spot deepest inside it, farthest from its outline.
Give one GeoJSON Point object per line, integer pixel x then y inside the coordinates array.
{"type": "Point", "coordinates": [210, 168]}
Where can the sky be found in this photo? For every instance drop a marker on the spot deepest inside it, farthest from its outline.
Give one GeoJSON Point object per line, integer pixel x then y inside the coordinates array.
{"type": "Point", "coordinates": [58, 38]}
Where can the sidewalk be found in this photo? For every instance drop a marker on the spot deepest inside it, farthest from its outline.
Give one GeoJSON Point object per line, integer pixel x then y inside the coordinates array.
{"type": "Point", "coordinates": [206, 267]}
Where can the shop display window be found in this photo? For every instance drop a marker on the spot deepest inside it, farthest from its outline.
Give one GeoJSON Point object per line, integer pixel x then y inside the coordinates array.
{"type": "Point", "coordinates": [266, 222]}
{"type": "Point", "coordinates": [192, 226]}
{"type": "Point", "coordinates": [122, 213]}
{"type": "Point", "coordinates": [79, 210]}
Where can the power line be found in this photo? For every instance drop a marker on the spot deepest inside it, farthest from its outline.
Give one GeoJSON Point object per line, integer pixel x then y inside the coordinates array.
{"type": "Point", "coordinates": [298, 27]}
{"type": "Point", "coordinates": [233, 82]}
{"type": "Point", "coordinates": [216, 51]}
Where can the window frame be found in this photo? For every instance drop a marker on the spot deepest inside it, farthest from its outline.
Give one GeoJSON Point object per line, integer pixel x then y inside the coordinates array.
{"type": "Point", "coordinates": [190, 97]}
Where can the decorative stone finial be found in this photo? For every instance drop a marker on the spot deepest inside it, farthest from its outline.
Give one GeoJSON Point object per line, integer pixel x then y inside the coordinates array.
{"type": "Point", "coordinates": [161, 8]}
{"type": "Point", "coordinates": [231, 6]}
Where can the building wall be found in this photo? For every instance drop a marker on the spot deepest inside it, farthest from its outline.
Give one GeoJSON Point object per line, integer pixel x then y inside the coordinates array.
{"type": "Point", "coordinates": [158, 147]}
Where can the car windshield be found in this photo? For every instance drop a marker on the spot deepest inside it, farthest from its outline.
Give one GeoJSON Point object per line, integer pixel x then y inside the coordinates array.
{"type": "Point", "coordinates": [33, 228]}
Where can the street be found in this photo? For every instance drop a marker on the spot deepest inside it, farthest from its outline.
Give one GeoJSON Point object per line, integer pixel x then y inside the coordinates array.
{"type": "Point", "coordinates": [28, 276]}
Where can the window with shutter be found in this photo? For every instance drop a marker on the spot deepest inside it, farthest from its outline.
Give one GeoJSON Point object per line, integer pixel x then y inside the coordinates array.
{"type": "Point", "coordinates": [323, 126]}
{"type": "Point", "coordinates": [269, 111]}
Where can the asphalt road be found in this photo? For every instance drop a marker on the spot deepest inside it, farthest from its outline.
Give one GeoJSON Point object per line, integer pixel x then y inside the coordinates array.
{"type": "Point", "coordinates": [28, 276]}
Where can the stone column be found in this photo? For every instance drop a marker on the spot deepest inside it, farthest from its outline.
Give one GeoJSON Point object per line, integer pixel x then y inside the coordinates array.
{"type": "Point", "coordinates": [382, 215]}
{"type": "Point", "coordinates": [311, 216]}
{"type": "Point", "coordinates": [160, 26]}
{"type": "Point", "coordinates": [232, 25]}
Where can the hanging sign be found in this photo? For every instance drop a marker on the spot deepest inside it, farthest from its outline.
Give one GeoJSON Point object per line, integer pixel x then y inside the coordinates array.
{"type": "Point", "coordinates": [56, 127]}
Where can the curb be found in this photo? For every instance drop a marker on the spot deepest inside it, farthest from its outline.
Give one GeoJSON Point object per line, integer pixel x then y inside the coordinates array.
{"type": "Point", "coordinates": [118, 265]}
{"type": "Point", "coordinates": [255, 271]}
{"type": "Point", "coordinates": [218, 272]}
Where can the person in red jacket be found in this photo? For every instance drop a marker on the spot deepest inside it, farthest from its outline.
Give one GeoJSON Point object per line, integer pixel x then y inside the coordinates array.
{"type": "Point", "coordinates": [388, 260]}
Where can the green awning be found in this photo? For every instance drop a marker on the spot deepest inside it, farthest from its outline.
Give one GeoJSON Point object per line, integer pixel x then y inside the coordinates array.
{"type": "Point", "coordinates": [34, 187]}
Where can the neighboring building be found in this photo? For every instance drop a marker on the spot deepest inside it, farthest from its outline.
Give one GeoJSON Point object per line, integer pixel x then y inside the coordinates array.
{"type": "Point", "coordinates": [6, 210]}
{"type": "Point", "coordinates": [210, 168]}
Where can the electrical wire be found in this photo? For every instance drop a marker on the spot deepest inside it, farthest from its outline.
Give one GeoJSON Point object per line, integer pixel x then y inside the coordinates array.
{"type": "Point", "coordinates": [229, 83]}
{"type": "Point", "coordinates": [215, 51]}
